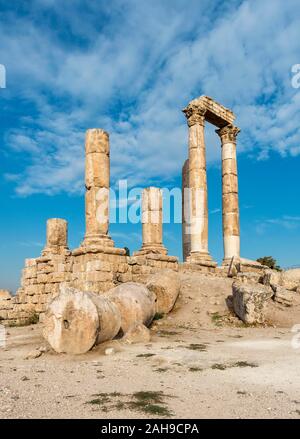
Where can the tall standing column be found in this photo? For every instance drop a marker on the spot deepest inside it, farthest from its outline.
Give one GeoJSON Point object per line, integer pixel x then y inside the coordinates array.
{"type": "Point", "coordinates": [186, 237]}
{"type": "Point", "coordinates": [198, 227]}
{"type": "Point", "coordinates": [152, 222]}
{"type": "Point", "coordinates": [97, 174]}
{"type": "Point", "coordinates": [230, 200]}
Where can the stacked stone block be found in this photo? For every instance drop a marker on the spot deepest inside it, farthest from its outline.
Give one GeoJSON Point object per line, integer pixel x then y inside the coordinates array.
{"type": "Point", "coordinates": [85, 270]}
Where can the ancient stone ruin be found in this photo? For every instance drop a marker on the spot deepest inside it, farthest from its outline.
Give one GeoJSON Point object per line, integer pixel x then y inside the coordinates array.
{"type": "Point", "coordinates": [195, 230]}
{"type": "Point", "coordinates": [97, 266]}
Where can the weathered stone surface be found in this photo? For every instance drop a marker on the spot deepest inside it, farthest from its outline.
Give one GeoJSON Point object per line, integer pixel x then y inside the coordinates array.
{"type": "Point", "coordinates": [166, 287]}
{"type": "Point", "coordinates": [197, 112]}
{"type": "Point", "coordinates": [152, 222]}
{"type": "Point", "coordinates": [97, 214]}
{"type": "Point", "coordinates": [97, 140]}
{"type": "Point", "coordinates": [109, 351]}
{"type": "Point", "coordinates": [30, 262]}
{"type": "Point", "coordinates": [32, 355]}
{"type": "Point", "coordinates": [196, 222]}
{"type": "Point", "coordinates": [97, 170]}
{"type": "Point", "coordinates": [97, 182]}
{"type": "Point", "coordinates": [135, 303]}
{"type": "Point", "coordinates": [230, 183]}
{"type": "Point", "coordinates": [290, 279]}
{"type": "Point", "coordinates": [251, 266]}
{"type": "Point", "coordinates": [186, 239]}
{"type": "Point", "coordinates": [283, 296]}
{"type": "Point", "coordinates": [7, 304]}
{"type": "Point", "coordinates": [231, 226]}
{"type": "Point", "coordinates": [215, 113]}
{"type": "Point", "coordinates": [230, 203]}
{"type": "Point", "coordinates": [234, 267]}
{"type": "Point", "coordinates": [271, 277]}
{"type": "Point", "coordinates": [250, 300]}
{"type": "Point", "coordinates": [248, 277]}
{"type": "Point", "coordinates": [97, 265]}
{"type": "Point", "coordinates": [75, 321]}
{"type": "Point", "coordinates": [97, 175]}
{"type": "Point", "coordinates": [57, 237]}
{"type": "Point", "coordinates": [5, 294]}
{"type": "Point", "coordinates": [137, 333]}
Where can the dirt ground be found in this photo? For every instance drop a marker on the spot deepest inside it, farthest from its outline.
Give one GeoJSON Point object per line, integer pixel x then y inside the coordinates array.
{"type": "Point", "coordinates": [201, 363]}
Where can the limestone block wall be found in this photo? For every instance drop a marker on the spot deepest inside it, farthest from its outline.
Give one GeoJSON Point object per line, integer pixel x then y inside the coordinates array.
{"type": "Point", "coordinates": [96, 272]}
{"type": "Point", "coordinates": [88, 271]}
{"type": "Point", "coordinates": [40, 282]}
{"type": "Point", "coordinates": [7, 305]}
{"type": "Point", "coordinates": [141, 266]}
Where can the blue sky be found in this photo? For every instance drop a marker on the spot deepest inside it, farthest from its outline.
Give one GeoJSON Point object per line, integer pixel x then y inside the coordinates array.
{"type": "Point", "coordinates": [130, 67]}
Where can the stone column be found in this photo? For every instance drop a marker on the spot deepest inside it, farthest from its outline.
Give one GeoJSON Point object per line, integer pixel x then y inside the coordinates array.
{"type": "Point", "coordinates": [97, 175]}
{"type": "Point", "coordinates": [198, 226]}
{"type": "Point", "coordinates": [152, 222]}
{"type": "Point", "coordinates": [57, 237]}
{"type": "Point", "coordinates": [230, 200]}
{"type": "Point", "coordinates": [186, 237]}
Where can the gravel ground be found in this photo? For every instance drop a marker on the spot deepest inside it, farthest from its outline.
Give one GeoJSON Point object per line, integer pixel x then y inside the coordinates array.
{"type": "Point", "coordinates": [220, 373]}
{"type": "Point", "coordinates": [201, 363]}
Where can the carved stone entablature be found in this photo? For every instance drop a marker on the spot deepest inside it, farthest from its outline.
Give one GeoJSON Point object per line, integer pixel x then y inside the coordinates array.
{"type": "Point", "coordinates": [194, 115]}
{"type": "Point", "coordinates": [212, 111]}
{"type": "Point", "coordinates": [228, 133]}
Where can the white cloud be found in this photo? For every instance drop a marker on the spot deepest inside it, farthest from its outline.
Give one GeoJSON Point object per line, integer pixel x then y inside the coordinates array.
{"type": "Point", "coordinates": [132, 73]}
{"type": "Point", "coordinates": [287, 222]}
{"type": "Point", "coordinates": [213, 211]}
{"type": "Point", "coordinates": [30, 244]}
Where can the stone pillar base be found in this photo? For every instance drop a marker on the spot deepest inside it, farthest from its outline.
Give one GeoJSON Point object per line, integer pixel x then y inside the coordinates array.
{"type": "Point", "coordinates": [201, 259]}
{"type": "Point", "coordinates": [97, 240]}
{"type": "Point", "coordinates": [99, 249]}
{"type": "Point", "coordinates": [98, 244]}
{"type": "Point", "coordinates": [157, 249]}
{"type": "Point", "coordinates": [55, 250]}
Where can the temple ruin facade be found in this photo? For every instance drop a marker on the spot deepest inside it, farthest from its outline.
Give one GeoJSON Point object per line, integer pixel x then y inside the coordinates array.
{"type": "Point", "coordinates": [194, 186]}
{"type": "Point", "coordinates": [97, 265]}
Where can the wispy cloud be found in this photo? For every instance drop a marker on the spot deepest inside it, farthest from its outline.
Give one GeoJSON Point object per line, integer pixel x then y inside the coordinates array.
{"type": "Point", "coordinates": [213, 211]}
{"type": "Point", "coordinates": [286, 222]}
{"type": "Point", "coordinates": [132, 236]}
{"type": "Point", "coordinates": [30, 244]}
{"type": "Point", "coordinates": [130, 67]}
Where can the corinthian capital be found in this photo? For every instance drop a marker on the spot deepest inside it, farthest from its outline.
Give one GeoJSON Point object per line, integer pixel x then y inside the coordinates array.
{"type": "Point", "coordinates": [228, 133]}
{"type": "Point", "coordinates": [194, 114]}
